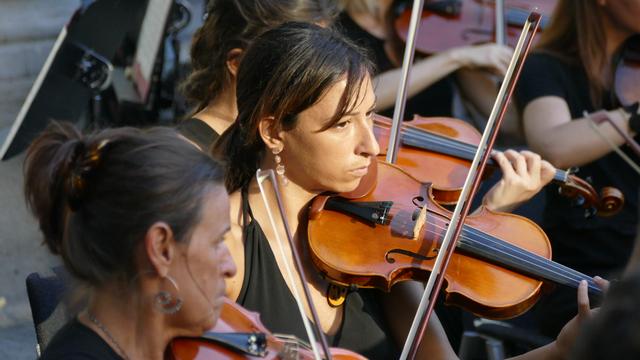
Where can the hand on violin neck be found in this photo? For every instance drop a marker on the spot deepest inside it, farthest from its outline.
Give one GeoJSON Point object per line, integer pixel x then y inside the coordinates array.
{"type": "Point", "coordinates": [523, 175]}
{"type": "Point", "coordinates": [492, 57]}
{"type": "Point", "coordinates": [570, 332]}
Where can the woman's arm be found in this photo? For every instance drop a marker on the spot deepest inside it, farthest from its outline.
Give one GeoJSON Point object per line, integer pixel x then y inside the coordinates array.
{"type": "Point", "coordinates": [479, 91]}
{"type": "Point", "coordinates": [400, 306]}
{"type": "Point", "coordinates": [426, 72]}
{"type": "Point", "coordinates": [551, 132]}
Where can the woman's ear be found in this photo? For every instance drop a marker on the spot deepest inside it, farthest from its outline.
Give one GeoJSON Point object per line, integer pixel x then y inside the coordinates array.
{"type": "Point", "coordinates": [159, 245]}
{"type": "Point", "coordinates": [233, 60]}
{"type": "Point", "coordinates": [270, 133]}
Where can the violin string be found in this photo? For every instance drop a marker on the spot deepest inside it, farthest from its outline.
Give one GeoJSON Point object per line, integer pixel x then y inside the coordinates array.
{"type": "Point", "coordinates": [563, 273]}
{"type": "Point", "coordinates": [530, 257]}
{"type": "Point", "coordinates": [290, 339]}
{"type": "Point", "coordinates": [425, 140]}
{"type": "Point", "coordinates": [424, 136]}
{"type": "Point", "coordinates": [420, 135]}
{"type": "Point", "coordinates": [573, 277]}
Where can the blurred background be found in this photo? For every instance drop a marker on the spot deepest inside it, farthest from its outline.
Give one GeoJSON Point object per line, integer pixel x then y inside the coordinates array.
{"type": "Point", "coordinates": [28, 31]}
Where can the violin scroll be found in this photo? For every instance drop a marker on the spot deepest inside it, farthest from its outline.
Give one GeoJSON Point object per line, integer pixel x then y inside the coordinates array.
{"type": "Point", "coordinates": [611, 201]}
{"type": "Point", "coordinates": [608, 203]}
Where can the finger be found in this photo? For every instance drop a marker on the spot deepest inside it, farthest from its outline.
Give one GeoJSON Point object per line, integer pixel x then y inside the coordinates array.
{"type": "Point", "coordinates": [547, 171]}
{"type": "Point", "coordinates": [504, 163]}
{"type": "Point", "coordinates": [583, 299]}
{"type": "Point", "coordinates": [518, 161]}
{"type": "Point", "coordinates": [602, 283]}
{"type": "Point", "coordinates": [533, 163]}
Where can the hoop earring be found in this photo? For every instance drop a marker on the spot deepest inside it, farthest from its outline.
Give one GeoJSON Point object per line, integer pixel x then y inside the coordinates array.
{"type": "Point", "coordinates": [165, 302]}
{"type": "Point", "coordinates": [279, 165]}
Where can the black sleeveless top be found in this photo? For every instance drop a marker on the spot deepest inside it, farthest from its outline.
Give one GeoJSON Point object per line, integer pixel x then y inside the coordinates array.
{"type": "Point", "coordinates": [264, 290]}
{"type": "Point", "coordinates": [75, 341]}
{"type": "Point", "coordinates": [199, 132]}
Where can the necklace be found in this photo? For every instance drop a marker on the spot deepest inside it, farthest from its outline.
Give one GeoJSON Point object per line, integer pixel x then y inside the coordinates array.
{"type": "Point", "coordinates": [106, 332]}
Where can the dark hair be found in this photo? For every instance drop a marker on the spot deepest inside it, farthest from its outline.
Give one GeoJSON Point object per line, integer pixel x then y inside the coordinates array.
{"type": "Point", "coordinates": [291, 68]}
{"type": "Point", "coordinates": [96, 196]}
{"type": "Point", "coordinates": [233, 24]}
{"type": "Point", "coordinates": [614, 331]}
{"type": "Point", "coordinates": [576, 35]}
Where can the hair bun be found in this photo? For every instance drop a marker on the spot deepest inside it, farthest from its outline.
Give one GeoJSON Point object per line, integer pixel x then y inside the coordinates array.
{"type": "Point", "coordinates": [83, 163]}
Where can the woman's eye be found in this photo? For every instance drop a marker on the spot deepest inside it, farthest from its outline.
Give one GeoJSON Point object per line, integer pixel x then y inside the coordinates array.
{"type": "Point", "coordinates": [342, 124]}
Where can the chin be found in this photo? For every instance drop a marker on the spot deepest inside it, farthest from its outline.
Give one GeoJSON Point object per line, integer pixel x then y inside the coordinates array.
{"type": "Point", "coordinates": [211, 321]}
{"type": "Point", "coordinates": [346, 186]}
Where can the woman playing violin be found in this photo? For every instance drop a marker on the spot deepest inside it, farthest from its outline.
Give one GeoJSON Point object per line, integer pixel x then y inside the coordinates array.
{"type": "Point", "coordinates": [229, 28]}
{"type": "Point", "coordinates": [305, 106]}
{"type": "Point", "coordinates": [124, 208]}
{"type": "Point", "coordinates": [571, 74]}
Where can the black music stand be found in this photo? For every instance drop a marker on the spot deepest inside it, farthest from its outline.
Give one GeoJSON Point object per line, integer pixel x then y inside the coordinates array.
{"type": "Point", "coordinates": [77, 69]}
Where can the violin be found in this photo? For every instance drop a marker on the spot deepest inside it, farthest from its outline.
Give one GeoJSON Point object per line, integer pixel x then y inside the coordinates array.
{"type": "Point", "coordinates": [439, 150]}
{"type": "Point", "coordinates": [451, 23]}
{"type": "Point", "coordinates": [239, 334]}
{"type": "Point", "coordinates": [390, 229]}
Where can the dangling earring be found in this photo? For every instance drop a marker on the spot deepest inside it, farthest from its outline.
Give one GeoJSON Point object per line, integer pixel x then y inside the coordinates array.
{"type": "Point", "coordinates": [165, 302]}
{"type": "Point", "coordinates": [279, 165]}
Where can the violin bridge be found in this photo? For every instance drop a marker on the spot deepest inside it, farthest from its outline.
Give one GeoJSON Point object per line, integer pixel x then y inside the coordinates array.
{"type": "Point", "coordinates": [419, 224]}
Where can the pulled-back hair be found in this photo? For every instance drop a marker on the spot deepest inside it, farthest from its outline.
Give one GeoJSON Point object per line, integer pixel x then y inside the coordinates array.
{"type": "Point", "coordinates": [96, 196]}
{"type": "Point", "coordinates": [233, 24]}
{"type": "Point", "coordinates": [287, 70]}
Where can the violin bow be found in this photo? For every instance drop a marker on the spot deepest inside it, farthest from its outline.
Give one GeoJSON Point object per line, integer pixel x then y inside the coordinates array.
{"type": "Point", "coordinates": [401, 95]}
{"type": "Point", "coordinates": [501, 37]}
{"type": "Point", "coordinates": [268, 175]}
{"type": "Point", "coordinates": [432, 288]}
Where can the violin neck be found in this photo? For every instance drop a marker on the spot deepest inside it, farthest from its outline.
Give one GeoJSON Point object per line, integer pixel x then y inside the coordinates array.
{"type": "Point", "coordinates": [425, 140]}
{"type": "Point", "coordinates": [429, 141]}
{"type": "Point", "coordinates": [561, 176]}
{"type": "Point", "coordinates": [490, 248]}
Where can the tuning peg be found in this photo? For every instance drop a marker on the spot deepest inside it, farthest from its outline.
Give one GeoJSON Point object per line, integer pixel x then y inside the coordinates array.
{"type": "Point", "coordinates": [590, 212]}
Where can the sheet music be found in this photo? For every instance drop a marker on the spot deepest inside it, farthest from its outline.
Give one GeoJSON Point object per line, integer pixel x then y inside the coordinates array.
{"type": "Point", "coordinates": [151, 36]}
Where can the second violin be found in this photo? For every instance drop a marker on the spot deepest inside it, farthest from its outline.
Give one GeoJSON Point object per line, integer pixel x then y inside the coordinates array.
{"type": "Point", "coordinates": [239, 334]}
{"type": "Point", "coordinates": [439, 150]}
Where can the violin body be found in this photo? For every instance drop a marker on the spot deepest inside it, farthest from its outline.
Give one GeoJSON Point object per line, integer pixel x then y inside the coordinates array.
{"type": "Point", "coordinates": [451, 23]}
{"type": "Point", "coordinates": [490, 274]}
{"type": "Point", "coordinates": [236, 320]}
{"type": "Point", "coordinates": [446, 173]}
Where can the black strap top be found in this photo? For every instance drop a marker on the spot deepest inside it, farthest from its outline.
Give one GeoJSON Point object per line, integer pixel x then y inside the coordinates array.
{"type": "Point", "coordinates": [199, 132]}
{"type": "Point", "coordinates": [264, 290]}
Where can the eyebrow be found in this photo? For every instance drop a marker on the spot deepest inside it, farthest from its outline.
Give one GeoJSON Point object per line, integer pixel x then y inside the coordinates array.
{"type": "Point", "coordinates": [372, 108]}
{"type": "Point", "coordinates": [226, 230]}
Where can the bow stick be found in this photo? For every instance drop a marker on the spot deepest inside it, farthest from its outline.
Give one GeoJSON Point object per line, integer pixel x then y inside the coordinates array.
{"type": "Point", "coordinates": [261, 177]}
